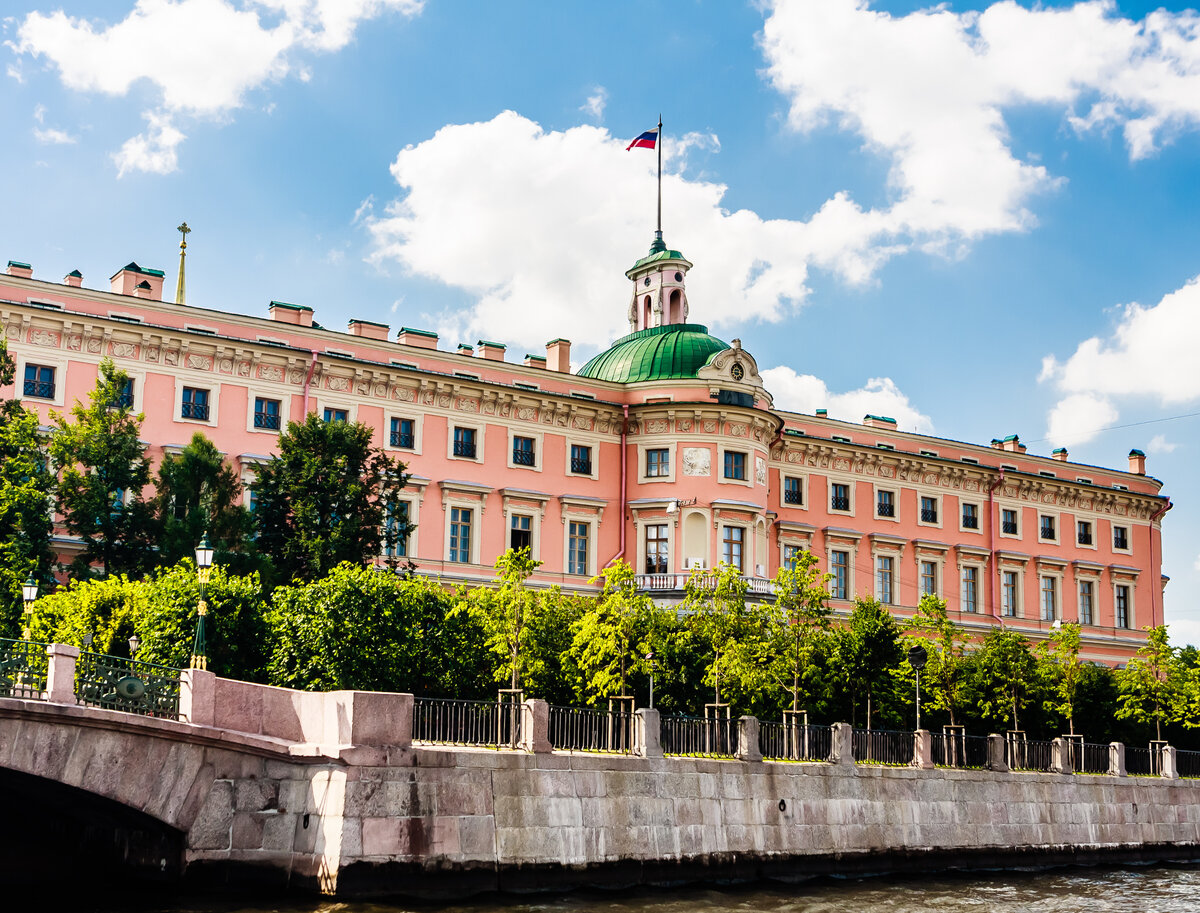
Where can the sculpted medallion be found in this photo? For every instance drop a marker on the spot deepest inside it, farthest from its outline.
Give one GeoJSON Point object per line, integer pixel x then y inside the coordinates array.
{"type": "Point", "coordinates": [697, 461]}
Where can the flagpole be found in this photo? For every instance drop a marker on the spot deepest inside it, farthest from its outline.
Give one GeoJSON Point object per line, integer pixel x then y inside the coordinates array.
{"type": "Point", "coordinates": [660, 145]}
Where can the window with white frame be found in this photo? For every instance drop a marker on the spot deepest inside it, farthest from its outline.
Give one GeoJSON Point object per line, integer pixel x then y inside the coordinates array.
{"type": "Point", "coordinates": [970, 516]}
{"type": "Point", "coordinates": [1083, 533]}
{"type": "Point", "coordinates": [970, 589]}
{"type": "Point", "coordinates": [839, 565]}
{"type": "Point", "coordinates": [885, 579]}
{"type": "Point", "coordinates": [839, 496]}
{"type": "Point", "coordinates": [658, 462]}
{"type": "Point", "coordinates": [1120, 538]}
{"type": "Point", "coordinates": [791, 554]}
{"type": "Point", "coordinates": [461, 519]}
{"type": "Point", "coordinates": [733, 544]}
{"type": "Point", "coordinates": [465, 442]}
{"type": "Point", "coordinates": [1049, 598]}
{"type": "Point", "coordinates": [1121, 606]}
{"type": "Point", "coordinates": [1087, 596]}
{"type": "Point", "coordinates": [929, 571]}
{"type": "Point", "coordinates": [885, 503]}
{"type": "Point", "coordinates": [1008, 522]}
{"type": "Point", "coordinates": [520, 532]}
{"type": "Point", "coordinates": [581, 459]}
{"type": "Point", "coordinates": [793, 493]}
{"type": "Point", "coordinates": [578, 536]}
{"type": "Point", "coordinates": [194, 404]}
{"type": "Point", "coordinates": [929, 509]}
{"type": "Point", "coordinates": [1009, 594]}
{"type": "Point", "coordinates": [336, 415]}
{"type": "Point", "coordinates": [735, 465]}
{"type": "Point", "coordinates": [403, 434]}
{"type": "Point", "coordinates": [267, 413]}
{"type": "Point", "coordinates": [523, 453]}
{"type": "Point", "coordinates": [1047, 528]}
{"type": "Point", "coordinates": [657, 548]}
{"type": "Point", "coordinates": [396, 520]}
{"type": "Point", "coordinates": [39, 381]}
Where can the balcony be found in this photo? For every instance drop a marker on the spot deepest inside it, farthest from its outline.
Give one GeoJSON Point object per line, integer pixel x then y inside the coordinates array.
{"type": "Point", "coordinates": [523, 457]}
{"type": "Point", "coordinates": [664, 583]}
{"type": "Point", "coordinates": [404, 441]}
{"type": "Point", "coordinates": [464, 449]}
{"type": "Point", "coordinates": [194, 410]}
{"type": "Point", "coordinates": [40, 388]}
{"type": "Point", "coordinates": [581, 466]}
{"type": "Point", "coordinates": [839, 503]}
{"type": "Point", "coordinates": [268, 420]}
{"type": "Point", "coordinates": [792, 496]}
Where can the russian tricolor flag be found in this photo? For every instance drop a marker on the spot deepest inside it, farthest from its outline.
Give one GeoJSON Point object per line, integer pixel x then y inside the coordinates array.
{"type": "Point", "coordinates": [646, 141]}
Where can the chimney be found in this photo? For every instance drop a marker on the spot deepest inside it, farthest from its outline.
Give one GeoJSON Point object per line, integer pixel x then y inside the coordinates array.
{"type": "Point", "coordinates": [74, 279]}
{"type": "Point", "coordinates": [126, 280]}
{"type": "Point", "coordinates": [296, 314]}
{"type": "Point", "coordinates": [558, 355]}
{"type": "Point", "coordinates": [822, 413]}
{"type": "Point", "coordinates": [879, 421]}
{"type": "Point", "coordinates": [142, 289]}
{"type": "Point", "coordinates": [19, 269]}
{"type": "Point", "coordinates": [465, 350]}
{"type": "Point", "coordinates": [492, 351]}
{"type": "Point", "coordinates": [535, 361]}
{"type": "Point", "coordinates": [1137, 462]}
{"type": "Point", "coordinates": [369, 329]}
{"type": "Point", "coordinates": [420, 339]}
{"type": "Point", "coordinates": [1059, 454]}
{"type": "Point", "coordinates": [1012, 444]}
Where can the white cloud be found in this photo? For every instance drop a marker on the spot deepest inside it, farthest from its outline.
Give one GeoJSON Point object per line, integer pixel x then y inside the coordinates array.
{"type": "Point", "coordinates": [155, 151]}
{"type": "Point", "coordinates": [879, 396]}
{"type": "Point", "coordinates": [202, 55]}
{"type": "Point", "coordinates": [49, 135]}
{"type": "Point", "coordinates": [594, 106]}
{"type": "Point", "coordinates": [13, 71]}
{"type": "Point", "coordinates": [1078, 418]}
{"type": "Point", "coordinates": [365, 209]}
{"type": "Point", "coordinates": [928, 91]}
{"type": "Point", "coordinates": [1160, 444]}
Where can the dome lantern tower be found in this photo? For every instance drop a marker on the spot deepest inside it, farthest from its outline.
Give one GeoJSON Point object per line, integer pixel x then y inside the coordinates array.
{"type": "Point", "coordinates": [659, 297]}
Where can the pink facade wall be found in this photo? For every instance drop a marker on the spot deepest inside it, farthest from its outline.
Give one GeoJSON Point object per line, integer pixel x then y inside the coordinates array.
{"type": "Point", "coordinates": [375, 380]}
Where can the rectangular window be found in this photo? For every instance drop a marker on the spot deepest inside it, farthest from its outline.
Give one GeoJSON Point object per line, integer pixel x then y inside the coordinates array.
{"type": "Point", "coordinates": [520, 533]}
{"type": "Point", "coordinates": [195, 404]}
{"type": "Point", "coordinates": [658, 463]}
{"type": "Point", "coordinates": [397, 519]}
{"type": "Point", "coordinates": [124, 399]}
{"type": "Point", "coordinates": [790, 555]}
{"type": "Point", "coordinates": [336, 415]}
{"type": "Point", "coordinates": [970, 516]}
{"type": "Point", "coordinates": [792, 492]}
{"type": "Point", "coordinates": [839, 563]}
{"type": "Point", "coordinates": [656, 548]}
{"type": "Point", "coordinates": [883, 579]}
{"type": "Point", "coordinates": [735, 465]}
{"type": "Point", "coordinates": [1049, 599]}
{"type": "Point", "coordinates": [885, 504]}
{"type": "Point", "coordinates": [1121, 537]}
{"type": "Point", "coordinates": [581, 459]}
{"type": "Point", "coordinates": [1008, 598]}
{"type": "Point", "coordinates": [577, 548]}
{"type": "Point", "coordinates": [39, 381]}
{"type": "Point", "coordinates": [928, 578]}
{"type": "Point", "coordinates": [464, 442]}
{"type": "Point", "coordinates": [1047, 528]}
{"type": "Point", "coordinates": [1121, 597]}
{"type": "Point", "coordinates": [970, 589]}
{"type": "Point", "coordinates": [1086, 593]}
{"type": "Point", "coordinates": [839, 496]}
{"type": "Point", "coordinates": [1008, 522]}
{"type": "Point", "coordinates": [1085, 533]}
{"type": "Point", "coordinates": [266, 413]}
{"type": "Point", "coordinates": [929, 510]}
{"type": "Point", "coordinates": [732, 544]}
{"type": "Point", "coordinates": [460, 535]}
{"type": "Point", "coordinates": [403, 434]}
{"type": "Point", "coordinates": [523, 451]}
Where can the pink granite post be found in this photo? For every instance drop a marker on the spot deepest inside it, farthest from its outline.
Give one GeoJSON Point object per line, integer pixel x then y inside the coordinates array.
{"type": "Point", "coordinates": [842, 750]}
{"type": "Point", "coordinates": [197, 690]}
{"type": "Point", "coordinates": [60, 676]}
{"type": "Point", "coordinates": [923, 750]}
{"type": "Point", "coordinates": [535, 726]}
{"type": "Point", "coordinates": [748, 748]}
{"type": "Point", "coordinates": [648, 735]}
{"type": "Point", "coordinates": [1170, 763]}
{"type": "Point", "coordinates": [1116, 759]}
{"type": "Point", "coordinates": [1061, 761]}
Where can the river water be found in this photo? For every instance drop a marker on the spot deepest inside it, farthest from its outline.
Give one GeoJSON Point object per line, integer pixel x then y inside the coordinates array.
{"type": "Point", "coordinates": [1161, 889]}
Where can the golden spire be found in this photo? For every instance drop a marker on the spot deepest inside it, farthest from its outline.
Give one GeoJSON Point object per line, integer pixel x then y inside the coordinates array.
{"type": "Point", "coordinates": [183, 230]}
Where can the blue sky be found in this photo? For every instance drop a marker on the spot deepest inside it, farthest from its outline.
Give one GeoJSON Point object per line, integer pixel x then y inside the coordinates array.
{"type": "Point", "coordinates": [978, 218]}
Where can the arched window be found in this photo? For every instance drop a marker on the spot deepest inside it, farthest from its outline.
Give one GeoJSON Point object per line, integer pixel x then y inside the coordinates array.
{"type": "Point", "coordinates": [675, 308]}
{"type": "Point", "coordinates": [646, 313]}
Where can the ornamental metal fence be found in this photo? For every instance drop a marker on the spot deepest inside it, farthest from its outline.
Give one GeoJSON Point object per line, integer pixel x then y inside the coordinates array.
{"type": "Point", "coordinates": [588, 729]}
{"type": "Point", "coordinates": [794, 741]}
{"type": "Point", "coordinates": [23, 669]}
{"type": "Point", "coordinates": [883, 746]}
{"type": "Point", "coordinates": [1144, 762]}
{"type": "Point", "coordinates": [485, 724]}
{"type": "Point", "coordinates": [701, 737]}
{"type": "Point", "coordinates": [130, 685]}
{"type": "Point", "coordinates": [956, 749]}
{"type": "Point", "coordinates": [1188, 763]}
{"type": "Point", "coordinates": [1028, 754]}
{"type": "Point", "coordinates": [1094, 759]}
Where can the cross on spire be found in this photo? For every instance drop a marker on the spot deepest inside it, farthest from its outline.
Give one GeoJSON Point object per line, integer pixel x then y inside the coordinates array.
{"type": "Point", "coordinates": [184, 231]}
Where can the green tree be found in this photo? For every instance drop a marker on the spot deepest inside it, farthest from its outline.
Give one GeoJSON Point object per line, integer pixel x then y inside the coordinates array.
{"type": "Point", "coordinates": [197, 493]}
{"type": "Point", "coordinates": [26, 488]}
{"type": "Point", "coordinates": [1152, 685]}
{"type": "Point", "coordinates": [716, 605]}
{"type": "Point", "coordinates": [606, 640]}
{"type": "Point", "coordinates": [796, 623]}
{"type": "Point", "coordinates": [1064, 670]}
{"type": "Point", "coordinates": [103, 472]}
{"type": "Point", "coordinates": [1008, 676]}
{"type": "Point", "coordinates": [506, 611]}
{"type": "Point", "coordinates": [328, 496]}
{"type": "Point", "coordinates": [945, 678]}
{"type": "Point", "coordinates": [868, 654]}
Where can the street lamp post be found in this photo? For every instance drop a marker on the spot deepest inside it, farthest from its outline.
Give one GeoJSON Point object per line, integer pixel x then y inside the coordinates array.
{"type": "Point", "coordinates": [29, 593]}
{"type": "Point", "coordinates": [917, 657]}
{"type": "Point", "coordinates": [650, 665]}
{"type": "Point", "coordinates": [204, 559]}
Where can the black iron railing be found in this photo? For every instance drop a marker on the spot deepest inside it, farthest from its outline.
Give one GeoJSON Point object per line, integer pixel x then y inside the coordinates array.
{"type": "Point", "coordinates": [794, 741]}
{"type": "Point", "coordinates": [1028, 754]}
{"type": "Point", "coordinates": [266, 420]}
{"type": "Point", "coordinates": [792, 496]}
{"type": "Point", "coordinates": [1047, 532]}
{"type": "Point", "coordinates": [1120, 541]}
{"type": "Point", "coordinates": [488, 724]}
{"type": "Point", "coordinates": [117, 683]}
{"type": "Point", "coordinates": [39, 388]}
{"type": "Point", "coordinates": [581, 466]}
{"type": "Point", "coordinates": [970, 521]}
{"type": "Point", "coordinates": [585, 729]}
{"type": "Point", "coordinates": [1085, 538]}
{"type": "Point", "coordinates": [403, 441]}
{"type": "Point", "coordinates": [522, 457]}
{"type": "Point", "coordinates": [1188, 763]}
{"type": "Point", "coordinates": [928, 515]}
{"type": "Point", "coordinates": [837, 503]}
{"type": "Point", "coordinates": [464, 449]}
{"type": "Point", "coordinates": [885, 509]}
{"type": "Point", "coordinates": [1009, 527]}
{"type": "Point", "coordinates": [1093, 759]}
{"type": "Point", "coordinates": [705, 737]}
{"type": "Point", "coordinates": [23, 669]}
{"type": "Point", "coordinates": [968, 752]}
{"type": "Point", "coordinates": [883, 746]}
{"type": "Point", "coordinates": [1143, 762]}
{"type": "Point", "coordinates": [194, 410]}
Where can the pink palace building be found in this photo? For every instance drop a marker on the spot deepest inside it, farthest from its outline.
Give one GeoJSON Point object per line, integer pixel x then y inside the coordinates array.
{"type": "Point", "coordinates": [664, 450]}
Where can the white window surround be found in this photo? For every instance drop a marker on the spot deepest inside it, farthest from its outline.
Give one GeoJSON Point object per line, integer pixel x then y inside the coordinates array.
{"type": "Point", "coordinates": [1058, 530]}
{"type": "Point", "coordinates": [528, 504]}
{"type": "Point", "coordinates": [640, 525]}
{"type": "Point", "coordinates": [979, 517]}
{"type": "Point", "coordinates": [802, 478]}
{"type": "Point", "coordinates": [252, 394]}
{"type": "Point", "coordinates": [1019, 570]}
{"type": "Point", "coordinates": [203, 382]}
{"type": "Point", "coordinates": [414, 506]}
{"type": "Point", "coordinates": [450, 501]}
{"type": "Point", "coordinates": [887, 547]}
{"type": "Point", "coordinates": [938, 558]}
{"type": "Point", "coordinates": [594, 448]}
{"type": "Point", "coordinates": [50, 358]}
{"type": "Point", "coordinates": [793, 535]}
{"type": "Point", "coordinates": [979, 581]}
{"type": "Point", "coordinates": [939, 503]}
{"type": "Point", "coordinates": [1094, 527]}
{"type": "Point", "coordinates": [719, 469]}
{"type": "Point", "coordinates": [1128, 583]}
{"type": "Point", "coordinates": [478, 427]}
{"type": "Point", "coordinates": [999, 520]}
{"type": "Point", "coordinates": [592, 523]}
{"type": "Point", "coordinates": [418, 424]}
{"type": "Point", "coordinates": [672, 466]}
{"type": "Point", "coordinates": [895, 492]}
{"type": "Point", "coordinates": [1128, 527]}
{"type": "Point", "coordinates": [968, 556]}
{"type": "Point", "coordinates": [851, 548]}
{"type": "Point", "coordinates": [538, 438]}
{"type": "Point", "coordinates": [830, 481]}
{"type": "Point", "coordinates": [1058, 577]}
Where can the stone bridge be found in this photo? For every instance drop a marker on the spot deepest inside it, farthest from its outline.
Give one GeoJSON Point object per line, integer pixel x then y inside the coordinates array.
{"type": "Point", "coordinates": [263, 786]}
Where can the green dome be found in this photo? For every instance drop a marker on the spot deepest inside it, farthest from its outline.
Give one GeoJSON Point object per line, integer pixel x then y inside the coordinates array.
{"type": "Point", "coordinates": [659, 353]}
